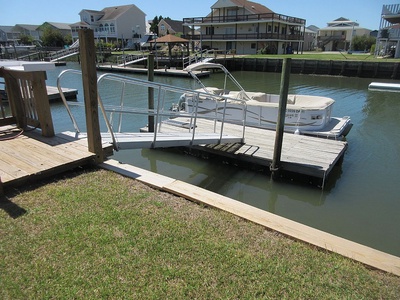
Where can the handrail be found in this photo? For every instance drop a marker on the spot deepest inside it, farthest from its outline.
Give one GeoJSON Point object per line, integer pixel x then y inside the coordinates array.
{"type": "Point", "coordinates": [158, 111]}
{"type": "Point", "coordinates": [64, 100]}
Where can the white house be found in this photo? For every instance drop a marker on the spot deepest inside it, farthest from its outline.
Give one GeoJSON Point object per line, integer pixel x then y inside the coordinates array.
{"type": "Point", "coordinates": [310, 38]}
{"type": "Point", "coordinates": [339, 34]}
{"type": "Point", "coordinates": [245, 27]}
{"type": "Point", "coordinates": [113, 24]}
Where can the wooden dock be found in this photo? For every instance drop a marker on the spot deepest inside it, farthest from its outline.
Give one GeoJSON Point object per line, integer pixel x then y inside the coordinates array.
{"type": "Point", "coordinates": [54, 94]}
{"type": "Point", "coordinates": [304, 155]}
{"type": "Point", "coordinates": [27, 156]}
{"type": "Point", "coordinates": [160, 72]}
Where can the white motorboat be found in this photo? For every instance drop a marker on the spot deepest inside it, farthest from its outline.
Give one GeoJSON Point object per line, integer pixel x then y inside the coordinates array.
{"type": "Point", "coordinates": [305, 114]}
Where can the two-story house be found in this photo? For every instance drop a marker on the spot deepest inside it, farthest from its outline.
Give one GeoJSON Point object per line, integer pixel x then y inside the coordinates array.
{"type": "Point", "coordinates": [338, 35]}
{"type": "Point", "coordinates": [113, 24]}
{"type": "Point", "coordinates": [8, 35]}
{"type": "Point", "coordinates": [30, 30]}
{"type": "Point", "coordinates": [388, 41]}
{"type": "Point", "coordinates": [245, 27]}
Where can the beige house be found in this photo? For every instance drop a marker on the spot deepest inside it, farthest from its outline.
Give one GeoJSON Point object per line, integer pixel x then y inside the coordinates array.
{"type": "Point", "coordinates": [245, 27]}
{"type": "Point", "coordinates": [113, 24]}
{"type": "Point", "coordinates": [337, 36]}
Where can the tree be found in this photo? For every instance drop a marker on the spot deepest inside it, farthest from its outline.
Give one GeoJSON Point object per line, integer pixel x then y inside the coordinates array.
{"type": "Point", "coordinates": [52, 37]}
{"type": "Point", "coordinates": [154, 24]}
{"type": "Point", "coordinates": [26, 39]}
{"type": "Point", "coordinates": [363, 43]}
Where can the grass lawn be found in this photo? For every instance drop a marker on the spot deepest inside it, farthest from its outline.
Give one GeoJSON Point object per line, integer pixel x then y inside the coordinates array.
{"type": "Point", "coordinates": [314, 55]}
{"type": "Point", "coordinates": [93, 234]}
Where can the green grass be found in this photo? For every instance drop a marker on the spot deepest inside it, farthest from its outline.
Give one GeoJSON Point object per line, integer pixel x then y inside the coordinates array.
{"type": "Point", "coordinates": [97, 235]}
{"type": "Point", "coordinates": [314, 55]}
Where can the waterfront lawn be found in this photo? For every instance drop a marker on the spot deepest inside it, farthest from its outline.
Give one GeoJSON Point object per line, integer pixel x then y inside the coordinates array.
{"type": "Point", "coordinates": [94, 234]}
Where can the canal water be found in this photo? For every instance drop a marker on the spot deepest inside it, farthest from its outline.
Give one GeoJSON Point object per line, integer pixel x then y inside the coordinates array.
{"type": "Point", "coordinates": [361, 201]}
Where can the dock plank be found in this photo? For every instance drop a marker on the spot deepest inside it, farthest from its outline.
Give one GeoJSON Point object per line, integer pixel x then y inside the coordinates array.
{"type": "Point", "coordinates": [300, 154]}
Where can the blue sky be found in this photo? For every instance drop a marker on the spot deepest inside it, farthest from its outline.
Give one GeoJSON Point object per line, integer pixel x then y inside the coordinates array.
{"type": "Point", "coordinates": [316, 12]}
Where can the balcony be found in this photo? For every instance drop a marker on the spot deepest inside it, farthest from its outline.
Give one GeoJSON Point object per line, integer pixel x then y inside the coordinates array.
{"type": "Point", "coordinates": [245, 37]}
{"type": "Point", "coordinates": [270, 17]}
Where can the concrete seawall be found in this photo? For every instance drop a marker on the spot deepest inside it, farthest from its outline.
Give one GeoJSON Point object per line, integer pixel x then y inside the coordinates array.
{"type": "Point", "coordinates": [363, 69]}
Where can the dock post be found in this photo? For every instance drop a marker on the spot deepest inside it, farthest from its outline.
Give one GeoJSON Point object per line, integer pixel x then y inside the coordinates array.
{"type": "Point", "coordinates": [280, 124]}
{"type": "Point", "coordinates": [150, 77]}
{"type": "Point", "coordinates": [89, 80]}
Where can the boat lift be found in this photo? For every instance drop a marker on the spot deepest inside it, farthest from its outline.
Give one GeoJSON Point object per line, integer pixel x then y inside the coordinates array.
{"type": "Point", "coordinates": [131, 102]}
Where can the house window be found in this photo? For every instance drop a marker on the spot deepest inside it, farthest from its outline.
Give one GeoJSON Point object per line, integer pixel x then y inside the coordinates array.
{"type": "Point", "coordinates": [112, 27]}
{"type": "Point", "coordinates": [253, 45]}
{"type": "Point", "coordinates": [209, 30]}
{"type": "Point", "coordinates": [91, 19]}
{"type": "Point", "coordinates": [162, 27]}
{"type": "Point", "coordinates": [107, 27]}
{"type": "Point", "coordinates": [269, 28]}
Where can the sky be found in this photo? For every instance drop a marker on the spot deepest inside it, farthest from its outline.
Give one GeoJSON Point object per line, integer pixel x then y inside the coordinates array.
{"type": "Point", "coordinates": [316, 12]}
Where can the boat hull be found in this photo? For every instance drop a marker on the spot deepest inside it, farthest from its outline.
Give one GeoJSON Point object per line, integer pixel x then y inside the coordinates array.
{"type": "Point", "coordinates": [314, 121]}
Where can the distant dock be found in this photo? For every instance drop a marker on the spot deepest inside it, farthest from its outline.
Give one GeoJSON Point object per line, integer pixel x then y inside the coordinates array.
{"type": "Point", "coordinates": [54, 94]}
{"type": "Point", "coordinates": [161, 72]}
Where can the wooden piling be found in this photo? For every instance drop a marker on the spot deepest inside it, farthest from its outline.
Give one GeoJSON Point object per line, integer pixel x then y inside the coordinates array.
{"type": "Point", "coordinates": [280, 124]}
{"type": "Point", "coordinates": [89, 79]}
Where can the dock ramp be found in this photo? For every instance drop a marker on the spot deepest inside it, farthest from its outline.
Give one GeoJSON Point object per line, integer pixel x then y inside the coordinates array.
{"type": "Point", "coordinates": [173, 127]}
{"type": "Point", "coordinates": [141, 140]}
{"type": "Point", "coordinates": [132, 61]}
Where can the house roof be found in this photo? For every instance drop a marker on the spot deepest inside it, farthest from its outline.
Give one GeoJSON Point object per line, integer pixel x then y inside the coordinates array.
{"type": "Point", "coordinates": [169, 38]}
{"type": "Point", "coordinates": [7, 28]}
{"type": "Point", "coordinates": [342, 22]}
{"type": "Point", "coordinates": [61, 26]}
{"type": "Point", "coordinates": [28, 26]}
{"type": "Point", "coordinates": [253, 7]}
{"type": "Point", "coordinates": [176, 25]}
{"type": "Point", "coordinates": [111, 13]}
{"type": "Point", "coordinates": [79, 24]}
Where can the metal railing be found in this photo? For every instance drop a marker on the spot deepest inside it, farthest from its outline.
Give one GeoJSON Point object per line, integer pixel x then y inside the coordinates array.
{"type": "Point", "coordinates": [199, 56]}
{"type": "Point", "coordinates": [244, 18]}
{"type": "Point", "coordinates": [164, 98]}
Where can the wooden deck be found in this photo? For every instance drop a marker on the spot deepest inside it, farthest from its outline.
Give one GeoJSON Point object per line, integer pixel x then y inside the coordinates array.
{"type": "Point", "coordinates": [300, 154]}
{"type": "Point", "coordinates": [28, 156]}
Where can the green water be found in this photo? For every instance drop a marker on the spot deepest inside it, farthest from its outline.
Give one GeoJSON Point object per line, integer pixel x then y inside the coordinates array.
{"type": "Point", "coordinates": [362, 199]}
